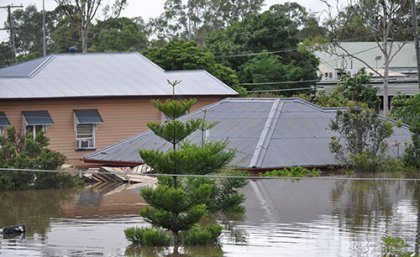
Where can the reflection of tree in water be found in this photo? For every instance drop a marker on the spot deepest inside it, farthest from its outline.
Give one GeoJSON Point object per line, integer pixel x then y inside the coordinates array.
{"type": "Point", "coordinates": [202, 251]}
{"type": "Point", "coordinates": [363, 203]}
{"type": "Point", "coordinates": [33, 208]}
{"type": "Point", "coordinates": [229, 223]}
{"type": "Point", "coordinates": [414, 188]}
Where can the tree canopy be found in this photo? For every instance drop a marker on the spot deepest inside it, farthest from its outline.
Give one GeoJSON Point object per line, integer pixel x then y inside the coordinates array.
{"type": "Point", "coordinates": [186, 55]}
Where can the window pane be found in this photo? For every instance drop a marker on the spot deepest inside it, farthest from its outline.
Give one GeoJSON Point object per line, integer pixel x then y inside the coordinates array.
{"type": "Point", "coordinates": [29, 129]}
{"type": "Point", "coordinates": [85, 136]}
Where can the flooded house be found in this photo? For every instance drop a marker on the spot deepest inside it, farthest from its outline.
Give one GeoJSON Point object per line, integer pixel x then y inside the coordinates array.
{"type": "Point", "coordinates": [266, 133]}
{"type": "Point", "coordinates": [86, 102]}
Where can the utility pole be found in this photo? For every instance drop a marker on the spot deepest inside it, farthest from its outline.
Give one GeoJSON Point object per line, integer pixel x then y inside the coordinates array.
{"type": "Point", "coordinates": [416, 38]}
{"type": "Point", "coordinates": [12, 34]}
{"type": "Point", "coordinates": [44, 41]}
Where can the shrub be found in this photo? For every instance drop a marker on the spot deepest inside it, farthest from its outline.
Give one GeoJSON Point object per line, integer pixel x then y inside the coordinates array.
{"type": "Point", "coordinates": [296, 171]}
{"type": "Point", "coordinates": [202, 236]}
{"type": "Point", "coordinates": [147, 236]}
{"type": "Point", "coordinates": [396, 247]}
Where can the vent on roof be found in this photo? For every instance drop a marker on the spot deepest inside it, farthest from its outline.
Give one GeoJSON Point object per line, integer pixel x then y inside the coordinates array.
{"type": "Point", "coordinates": [72, 49]}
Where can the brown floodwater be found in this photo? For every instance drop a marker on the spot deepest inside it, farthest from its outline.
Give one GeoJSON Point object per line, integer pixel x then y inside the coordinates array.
{"type": "Point", "coordinates": [307, 217]}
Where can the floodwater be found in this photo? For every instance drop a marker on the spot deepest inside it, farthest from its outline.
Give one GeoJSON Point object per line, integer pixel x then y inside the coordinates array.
{"type": "Point", "coordinates": [307, 217]}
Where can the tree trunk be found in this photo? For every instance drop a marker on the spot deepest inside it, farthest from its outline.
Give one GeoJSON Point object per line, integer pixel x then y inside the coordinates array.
{"type": "Point", "coordinates": [177, 242]}
{"type": "Point", "coordinates": [85, 33]}
{"type": "Point", "coordinates": [385, 82]}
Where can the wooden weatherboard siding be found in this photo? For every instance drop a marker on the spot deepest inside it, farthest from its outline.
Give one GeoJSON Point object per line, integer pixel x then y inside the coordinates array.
{"type": "Point", "coordinates": [123, 117]}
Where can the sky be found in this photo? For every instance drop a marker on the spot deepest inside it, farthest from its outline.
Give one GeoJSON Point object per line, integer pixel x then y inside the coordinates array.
{"type": "Point", "coordinates": [144, 8]}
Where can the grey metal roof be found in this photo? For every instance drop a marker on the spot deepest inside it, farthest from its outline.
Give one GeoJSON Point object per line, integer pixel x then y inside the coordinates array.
{"type": "Point", "coordinates": [25, 69]}
{"type": "Point", "coordinates": [37, 117]}
{"type": "Point", "coordinates": [102, 74]}
{"type": "Point", "coordinates": [266, 134]}
{"type": "Point", "coordinates": [4, 121]}
{"type": "Point", "coordinates": [88, 116]}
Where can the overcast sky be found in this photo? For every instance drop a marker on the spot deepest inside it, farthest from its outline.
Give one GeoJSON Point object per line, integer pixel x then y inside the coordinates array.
{"type": "Point", "coordinates": [145, 8]}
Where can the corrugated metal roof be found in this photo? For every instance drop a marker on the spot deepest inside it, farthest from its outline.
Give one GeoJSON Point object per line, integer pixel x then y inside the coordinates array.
{"type": "Point", "coordinates": [266, 134]}
{"type": "Point", "coordinates": [25, 69]}
{"type": "Point", "coordinates": [102, 74]}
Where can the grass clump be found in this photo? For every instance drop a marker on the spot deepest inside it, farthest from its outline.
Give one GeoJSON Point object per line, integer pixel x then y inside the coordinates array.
{"type": "Point", "coordinates": [147, 236]}
{"type": "Point", "coordinates": [296, 171]}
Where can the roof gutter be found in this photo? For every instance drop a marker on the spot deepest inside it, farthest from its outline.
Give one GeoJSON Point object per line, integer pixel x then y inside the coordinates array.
{"type": "Point", "coordinates": [112, 163]}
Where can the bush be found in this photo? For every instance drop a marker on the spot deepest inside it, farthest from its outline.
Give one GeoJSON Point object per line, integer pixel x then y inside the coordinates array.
{"type": "Point", "coordinates": [396, 247]}
{"type": "Point", "coordinates": [296, 171]}
{"type": "Point", "coordinates": [147, 236]}
{"type": "Point", "coordinates": [202, 236]}
{"type": "Point", "coordinates": [24, 152]}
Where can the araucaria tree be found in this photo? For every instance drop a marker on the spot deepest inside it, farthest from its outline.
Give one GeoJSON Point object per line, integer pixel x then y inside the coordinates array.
{"type": "Point", "coordinates": [176, 204]}
{"type": "Point", "coordinates": [361, 144]}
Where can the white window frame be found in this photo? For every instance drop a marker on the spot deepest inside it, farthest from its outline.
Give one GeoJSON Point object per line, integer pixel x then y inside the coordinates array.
{"type": "Point", "coordinates": [87, 138]}
{"type": "Point", "coordinates": [34, 129]}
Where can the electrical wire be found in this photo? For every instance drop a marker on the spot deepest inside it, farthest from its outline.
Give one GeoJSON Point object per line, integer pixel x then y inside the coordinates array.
{"type": "Point", "coordinates": [219, 176]}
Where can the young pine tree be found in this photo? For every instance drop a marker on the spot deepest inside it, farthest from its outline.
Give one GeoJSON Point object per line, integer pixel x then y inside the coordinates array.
{"type": "Point", "coordinates": [174, 205]}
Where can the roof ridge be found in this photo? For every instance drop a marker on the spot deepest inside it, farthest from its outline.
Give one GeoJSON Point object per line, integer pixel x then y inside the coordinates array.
{"type": "Point", "coordinates": [41, 65]}
{"type": "Point", "coordinates": [266, 133]}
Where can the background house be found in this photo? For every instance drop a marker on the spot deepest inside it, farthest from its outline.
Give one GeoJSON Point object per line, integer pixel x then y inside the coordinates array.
{"type": "Point", "coordinates": [335, 62]}
{"type": "Point", "coordinates": [88, 101]}
{"type": "Point", "coordinates": [266, 134]}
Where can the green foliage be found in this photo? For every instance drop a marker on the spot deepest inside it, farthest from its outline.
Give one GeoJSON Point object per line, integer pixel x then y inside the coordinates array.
{"type": "Point", "coordinates": [396, 247]}
{"type": "Point", "coordinates": [296, 171]}
{"type": "Point", "coordinates": [147, 236]}
{"type": "Point", "coordinates": [269, 31]}
{"type": "Point", "coordinates": [174, 108]}
{"type": "Point", "coordinates": [350, 90]}
{"type": "Point", "coordinates": [186, 55]}
{"type": "Point", "coordinates": [174, 205]}
{"type": "Point", "coordinates": [202, 236]}
{"type": "Point", "coordinates": [23, 152]}
{"type": "Point", "coordinates": [362, 138]}
{"type": "Point", "coordinates": [225, 194]}
{"type": "Point", "coordinates": [118, 35]}
{"type": "Point", "coordinates": [407, 110]}
{"type": "Point", "coordinates": [174, 131]}
{"type": "Point", "coordinates": [195, 18]}
{"type": "Point", "coordinates": [171, 208]}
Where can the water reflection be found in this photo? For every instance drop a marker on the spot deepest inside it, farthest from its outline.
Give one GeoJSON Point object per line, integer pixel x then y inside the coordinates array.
{"type": "Point", "coordinates": [33, 208]}
{"type": "Point", "coordinates": [209, 251]}
{"type": "Point", "coordinates": [308, 217]}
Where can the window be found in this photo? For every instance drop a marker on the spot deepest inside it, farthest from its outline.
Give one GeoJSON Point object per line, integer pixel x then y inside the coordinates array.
{"type": "Point", "coordinates": [34, 122]}
{"type": "Point", "coordinates": [33, 130]}
{"type": "Point", "coordinates": [4, 121]}
{"type": "Point", "coordinates": [85, 136]}
{"type": "Point", "coordinates": [85, 122]}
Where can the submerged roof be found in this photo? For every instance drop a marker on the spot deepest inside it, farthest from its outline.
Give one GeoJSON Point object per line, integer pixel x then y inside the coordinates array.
{"type": "Point", "coordinates": [102, 74]}
{"type": "Point", "coordinates": [266, 134]}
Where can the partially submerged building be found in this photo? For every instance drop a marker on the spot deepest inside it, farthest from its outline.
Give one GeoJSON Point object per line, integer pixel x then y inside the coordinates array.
{"type": "Point", "coordinates": [266, 134]}
{"type": "Point", "coordinates": [86, 102]}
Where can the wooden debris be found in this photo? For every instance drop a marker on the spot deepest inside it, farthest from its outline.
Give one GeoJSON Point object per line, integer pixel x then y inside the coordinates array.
{"type": "Point", "coordinates": [119, 175]}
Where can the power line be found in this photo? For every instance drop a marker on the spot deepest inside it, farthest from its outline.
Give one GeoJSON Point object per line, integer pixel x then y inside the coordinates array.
{"type": "Point", "coordinates": [217, 176]}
